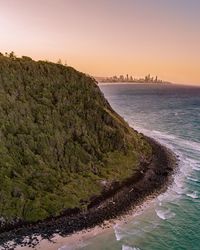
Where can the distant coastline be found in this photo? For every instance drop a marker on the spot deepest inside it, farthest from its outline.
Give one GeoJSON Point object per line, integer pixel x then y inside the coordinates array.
{"type": "Point", "coordinates": [148, 79]}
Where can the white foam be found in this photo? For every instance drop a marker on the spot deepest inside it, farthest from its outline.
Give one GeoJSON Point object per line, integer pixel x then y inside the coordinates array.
{"type": "Point", "coordinates": [65, 248]}
{"type": "Point", "coordinates": [193, 195]}
{"type": "Point", "coordinates": [118, 234]}
{"type": "Point", "coordinates": [164, 214]}
{"type": "Point", "coordinates": [172, 139]}
{"type": "Point", "coordinates": [178, 191]}
{"type": "Point", "coordinates": [138, 228]}
{"type": "Point", "coordinates": [188, 152]}
{"type": "Point", "coordinates": [194, 164]}
{"type": "Point", "coordinates": [193, 161]}
{"type": "Point", "coordinates": [179, 180]}
{"type": "Point", "coordinates": [196, 168]}
{"type": "Point", "coordinates": [124, 247]}
{"type": "Point", "coordinates": [169, 196]}
{"type": "Point", "coordinates": [192, 179]}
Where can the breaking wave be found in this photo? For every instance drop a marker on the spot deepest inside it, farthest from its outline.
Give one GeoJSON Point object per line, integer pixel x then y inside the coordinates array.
{"type": "Point", "coordinates": [124, 247]}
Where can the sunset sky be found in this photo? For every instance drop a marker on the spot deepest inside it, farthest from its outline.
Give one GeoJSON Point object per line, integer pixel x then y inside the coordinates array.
{"type": "Point", "coordinates": [107, 37]}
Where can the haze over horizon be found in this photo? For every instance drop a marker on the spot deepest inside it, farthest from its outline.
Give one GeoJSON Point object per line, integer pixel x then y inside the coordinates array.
{"type": "Point", "coordinates": [104, 38]}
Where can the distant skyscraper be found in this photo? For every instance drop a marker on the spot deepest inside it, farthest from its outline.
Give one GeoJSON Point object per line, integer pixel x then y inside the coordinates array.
{"type": "Point", "coordinates": [121, 78]}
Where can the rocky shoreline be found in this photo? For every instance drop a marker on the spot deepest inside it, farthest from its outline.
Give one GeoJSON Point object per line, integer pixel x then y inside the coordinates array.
{"type": "Point", "coordinates": [153, 178]}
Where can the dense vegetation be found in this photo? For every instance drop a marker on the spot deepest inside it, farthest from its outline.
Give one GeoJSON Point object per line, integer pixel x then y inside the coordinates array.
{"type": "Point", "coordinates": [60, 141]}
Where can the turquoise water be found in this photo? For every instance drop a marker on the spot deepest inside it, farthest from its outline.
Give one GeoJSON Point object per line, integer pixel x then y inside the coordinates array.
{"type": "Point", "coordinates": [170, 114]}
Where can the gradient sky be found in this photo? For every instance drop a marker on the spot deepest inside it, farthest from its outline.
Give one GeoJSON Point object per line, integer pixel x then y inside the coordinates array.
{"type": "Point", "coordinates": [107, 37]}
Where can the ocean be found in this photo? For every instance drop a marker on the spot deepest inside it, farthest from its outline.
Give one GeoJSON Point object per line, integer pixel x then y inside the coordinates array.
{"type": "Point", "coordinates": [171, 115]}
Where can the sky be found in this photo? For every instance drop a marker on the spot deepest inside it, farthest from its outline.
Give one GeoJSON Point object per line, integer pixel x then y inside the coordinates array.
{"type": "Point", "coordinates": [107, 37]}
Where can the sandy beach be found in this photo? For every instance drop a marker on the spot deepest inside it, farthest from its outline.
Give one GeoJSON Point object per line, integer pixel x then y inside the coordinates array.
{"type": "Point", "coordinates": [79, 238]}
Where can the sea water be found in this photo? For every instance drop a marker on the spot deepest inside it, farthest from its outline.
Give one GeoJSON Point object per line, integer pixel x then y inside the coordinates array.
{"type": "Point", "coordinates": [171, 115]}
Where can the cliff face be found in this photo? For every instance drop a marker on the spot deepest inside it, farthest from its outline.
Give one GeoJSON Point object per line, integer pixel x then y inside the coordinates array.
{"type": "Point", "coordinates": [60, 141]}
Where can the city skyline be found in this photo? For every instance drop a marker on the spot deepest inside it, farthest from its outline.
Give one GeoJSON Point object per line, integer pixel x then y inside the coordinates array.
{"type": "Point", "coordinates": [103, 38]}
{"type": "Point", "coordinates": [131, 79]}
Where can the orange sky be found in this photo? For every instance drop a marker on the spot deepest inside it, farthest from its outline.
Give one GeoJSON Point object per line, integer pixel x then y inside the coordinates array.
{"type": "Point", "coordinates": [107, 37]}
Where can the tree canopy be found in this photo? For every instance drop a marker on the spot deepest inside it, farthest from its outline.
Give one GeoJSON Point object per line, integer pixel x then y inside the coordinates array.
{"type": "Point", "coordinates": [59, 139]}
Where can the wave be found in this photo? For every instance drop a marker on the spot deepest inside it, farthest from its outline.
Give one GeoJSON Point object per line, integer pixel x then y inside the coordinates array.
{"type": "Point", "coordinates": [137, 228]}
{"type": "Point", "coordinates": [124, 247]}
{"type": "Point", "coordinates": [188, 153]}
{"type": "Point", "coordinates": [196, 168]}
{"type": "Point", "coordinates": [193, 195]}
{"type": "Point", "coordinates": [194, 164]}
{"type": "Point", "coordinates": [175, 140]}
{"type": "Point", "coordinates": [118, 234]}
{"type": "Point", "coordinates": [192, 179]}
{"type": "Point", "coordinates": [164, 214]}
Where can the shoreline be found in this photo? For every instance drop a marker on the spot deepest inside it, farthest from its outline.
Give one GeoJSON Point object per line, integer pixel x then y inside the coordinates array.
{"type": "Point", "coordinates": [151, 181]}
{"type": "Point", "coordinates": [75, 240]}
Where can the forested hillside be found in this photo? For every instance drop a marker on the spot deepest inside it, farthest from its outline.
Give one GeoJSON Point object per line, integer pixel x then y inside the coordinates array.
{"type": "Point", "coordinates": [60, 141]}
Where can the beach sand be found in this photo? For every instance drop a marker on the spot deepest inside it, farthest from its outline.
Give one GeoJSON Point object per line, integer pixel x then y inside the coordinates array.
{"type": "Point", "coordinates": [79, 238]}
